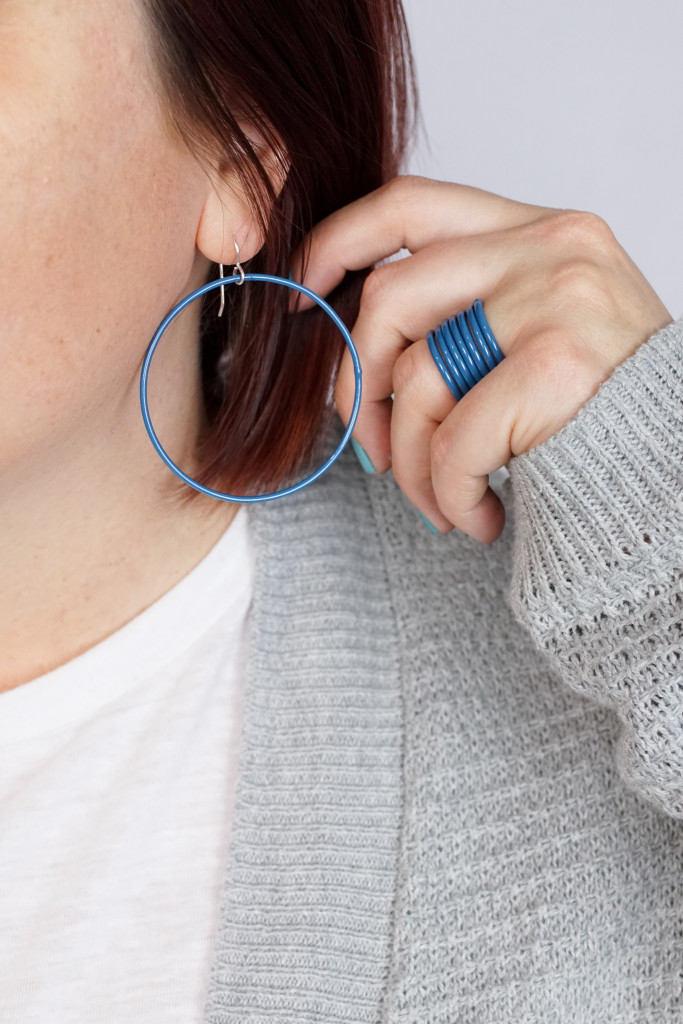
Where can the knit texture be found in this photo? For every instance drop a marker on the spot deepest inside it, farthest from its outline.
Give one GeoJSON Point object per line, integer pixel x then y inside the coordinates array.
{"type": "Point", "coordinates": [599, 559]}
{"type": "Point", "coordinates": [462, 764]}
{"type": "Point", "coordinates": [304, 933]}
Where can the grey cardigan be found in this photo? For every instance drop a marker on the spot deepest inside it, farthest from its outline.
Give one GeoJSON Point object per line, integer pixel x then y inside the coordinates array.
{"type": "Point", "coordinates": [461, 786]}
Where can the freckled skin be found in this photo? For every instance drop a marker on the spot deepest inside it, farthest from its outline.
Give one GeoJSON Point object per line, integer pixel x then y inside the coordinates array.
{"type": "Point", "coordinates": [72, 174]}
{"type": "Point", "coordinates": [106, 220]}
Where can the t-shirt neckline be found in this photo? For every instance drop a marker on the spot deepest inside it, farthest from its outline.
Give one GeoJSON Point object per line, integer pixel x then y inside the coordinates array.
{"type": "Point", "coordinates": [140, 648]}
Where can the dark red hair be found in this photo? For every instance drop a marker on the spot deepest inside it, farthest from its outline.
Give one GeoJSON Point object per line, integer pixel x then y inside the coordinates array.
{"type": "Point", "coordinates": [330, 85]}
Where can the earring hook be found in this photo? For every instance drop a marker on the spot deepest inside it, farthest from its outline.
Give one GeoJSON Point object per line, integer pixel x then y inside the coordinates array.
{"type": "Point", "coordinates": [238, 270]}
{"type": "Point", "coordinates": [222, 290]}
{"type": "Point", "coordinates": [238, 265]}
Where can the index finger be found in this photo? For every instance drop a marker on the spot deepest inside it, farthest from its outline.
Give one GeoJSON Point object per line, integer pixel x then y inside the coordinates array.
{"type": "Point", "coordinates": [408, 212]}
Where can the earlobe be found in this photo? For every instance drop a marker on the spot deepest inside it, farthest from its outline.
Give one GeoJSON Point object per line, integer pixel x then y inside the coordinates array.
{"type": "Point", "coordinates": [225, 217]}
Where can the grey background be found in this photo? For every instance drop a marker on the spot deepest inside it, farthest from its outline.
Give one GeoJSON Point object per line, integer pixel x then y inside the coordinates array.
{"type": "Point", "coordinates": [567, 103]}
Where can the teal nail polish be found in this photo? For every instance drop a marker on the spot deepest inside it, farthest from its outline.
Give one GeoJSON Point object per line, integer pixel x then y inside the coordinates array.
{"type": "Point", "coordinates": [425, 520]}
{"type": "Point", "coordinates": [290, 275]}
{"type": "Point", "coordinates": [362, 457]}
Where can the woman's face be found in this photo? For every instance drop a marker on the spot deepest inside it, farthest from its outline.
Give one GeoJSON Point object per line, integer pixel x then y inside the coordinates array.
{"type": "Point", "coordinates": [99, 208]}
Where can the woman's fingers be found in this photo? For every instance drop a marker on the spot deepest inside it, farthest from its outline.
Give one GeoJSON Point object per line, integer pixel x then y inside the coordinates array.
{"type": "Point", "coordinates": [407, 213]}
{"type": "Point", "coordinates": [523, 401]}
{"type": "Point", "coordinates": [421, 402]}
{"type": "Point", "coordinates": [401, 302]}
{"type": "Point", "coordinates": [471, 442]}
{"type": "Point", "coordinates": [444, 450]}
{"type": "Point", "coordinates": [564, 301]}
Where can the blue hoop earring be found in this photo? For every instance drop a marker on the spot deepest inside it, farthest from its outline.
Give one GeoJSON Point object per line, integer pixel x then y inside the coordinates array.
{"type": "Point", "coordinates": [240, 277]}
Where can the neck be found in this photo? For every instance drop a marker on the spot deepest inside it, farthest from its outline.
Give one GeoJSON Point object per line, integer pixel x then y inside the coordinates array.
{"type": "Point", "coordinates": [90, 533]}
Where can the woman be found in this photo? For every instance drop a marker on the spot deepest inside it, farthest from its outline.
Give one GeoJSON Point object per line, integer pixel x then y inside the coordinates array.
{"type": "Point", "coordinates": [305, 761]}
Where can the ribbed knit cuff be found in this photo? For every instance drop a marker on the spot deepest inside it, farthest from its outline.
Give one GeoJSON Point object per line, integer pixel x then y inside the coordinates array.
{"type": "Point", "coordinates": [603, 496]}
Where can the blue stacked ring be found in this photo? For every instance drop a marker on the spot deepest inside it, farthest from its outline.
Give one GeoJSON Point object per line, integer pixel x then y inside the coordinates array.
{"type": "Point", "coordinates": [464, 349]}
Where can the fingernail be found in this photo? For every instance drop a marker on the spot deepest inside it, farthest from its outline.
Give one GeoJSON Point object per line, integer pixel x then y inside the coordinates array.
{"type": "Point", "coordinates": [362, 457]}
{"type": "Point", "coordinates": [425, 520]}
{"type": "Point", "coordinates": [290, 275]}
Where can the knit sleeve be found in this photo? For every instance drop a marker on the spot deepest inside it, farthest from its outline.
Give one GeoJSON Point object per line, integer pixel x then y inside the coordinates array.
{"type": "Point", "coordinates": [597, 569]}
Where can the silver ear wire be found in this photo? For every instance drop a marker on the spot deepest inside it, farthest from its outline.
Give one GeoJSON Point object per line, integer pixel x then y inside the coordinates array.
{"type": "Point", "coordinates": [221, 275]}
{"type": "Point", "coordinates": [238, 265]}
{"type": "Point", "coordinates": [238, 270]}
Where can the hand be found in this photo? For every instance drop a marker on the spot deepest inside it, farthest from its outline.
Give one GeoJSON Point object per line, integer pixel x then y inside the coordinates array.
{"type": "Point", "coordinates": [564, 300]}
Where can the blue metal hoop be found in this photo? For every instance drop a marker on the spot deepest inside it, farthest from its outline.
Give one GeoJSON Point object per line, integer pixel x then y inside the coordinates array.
{"type": "Point", "coordinates": [218, 283]}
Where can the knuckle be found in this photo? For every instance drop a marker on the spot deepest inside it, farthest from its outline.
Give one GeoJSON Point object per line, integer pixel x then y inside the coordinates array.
{"type": "Point", "coordinates": [578, 280]}
{"type": "Point", "coordinates": [557, 365]}
{"type": "Point", "coordinates": [376, 287]}
{"type": "Point", "coordinates": [594, 229]}
{"type": "Point", "coordinates": [440, 447]}
{"type": "Point", "coordinates": [404, 186]}
{"type": "Point", "coordinates": [405, 369]}
{"type": "Point", "coordinates": [402, 192]}
{"type": "Point", "coordinates": [580, 228]}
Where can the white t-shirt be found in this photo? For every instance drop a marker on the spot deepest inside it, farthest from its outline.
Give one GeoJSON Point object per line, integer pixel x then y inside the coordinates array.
{"type": "Point", "coordinates": [117, 779]}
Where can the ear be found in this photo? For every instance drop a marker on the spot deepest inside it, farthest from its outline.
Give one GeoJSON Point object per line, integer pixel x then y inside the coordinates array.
{"type": "Point", "coordinates": [227, 213]}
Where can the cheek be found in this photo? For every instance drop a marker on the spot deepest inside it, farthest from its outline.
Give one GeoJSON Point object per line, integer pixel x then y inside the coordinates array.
{"type": "Point", "coordinates": [97, 228]}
